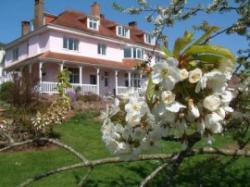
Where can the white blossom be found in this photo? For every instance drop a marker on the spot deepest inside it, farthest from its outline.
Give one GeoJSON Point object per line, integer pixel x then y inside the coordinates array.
{"type": "Point", "coordinates": [166, 74]}
{"type": "Point", "coordinates": [204, 104]}
{"type": "Point", "coordinates": [213, 122]}
{"type": "Point", "coordinates": [195, 75]}
{"type": "Point", "coordinates": [212, 103]}
{"type": "Point", "coordinates": [184, 74]}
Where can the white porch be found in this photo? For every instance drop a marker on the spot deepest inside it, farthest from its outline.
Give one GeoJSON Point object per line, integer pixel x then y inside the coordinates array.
{"type": "Point", "coordinates": [89, 79]}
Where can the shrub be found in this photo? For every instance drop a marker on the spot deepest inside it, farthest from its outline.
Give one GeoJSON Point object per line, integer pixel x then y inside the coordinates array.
{"type": "Point", "coordinates": [89, 98]}
{"type": "Point", "coordinates": [6, 91]}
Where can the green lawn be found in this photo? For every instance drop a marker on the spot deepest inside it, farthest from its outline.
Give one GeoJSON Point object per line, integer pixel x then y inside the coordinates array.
{"type": "Point", "coordinates": [83, 133]}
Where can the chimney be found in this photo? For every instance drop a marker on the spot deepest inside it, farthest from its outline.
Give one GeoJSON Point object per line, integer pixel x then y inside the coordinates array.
{"type": "Point", "coordinates": [25, 27]}
{"type": "Point", "coordinates": [38, 21]}
{"type": "Point", "coordinates": [96, 10]}
{"type": "Point", "coordinates": [132, 24]}
{"type": "Point", "coordinates": [102, 16]}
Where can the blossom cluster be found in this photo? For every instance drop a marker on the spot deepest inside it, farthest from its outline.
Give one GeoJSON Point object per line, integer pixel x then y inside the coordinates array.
{"type": "Point", "coordinates": [54, 115]}
{"type": "Point", "coordinates": [182, 101]}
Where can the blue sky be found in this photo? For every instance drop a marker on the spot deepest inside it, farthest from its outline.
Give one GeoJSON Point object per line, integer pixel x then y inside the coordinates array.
{"type": "Point", "coordinates": [12, 12]}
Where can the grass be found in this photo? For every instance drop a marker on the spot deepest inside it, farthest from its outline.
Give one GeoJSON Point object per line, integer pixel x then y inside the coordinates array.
{"type": "Point", "coordinates": [83, 133]}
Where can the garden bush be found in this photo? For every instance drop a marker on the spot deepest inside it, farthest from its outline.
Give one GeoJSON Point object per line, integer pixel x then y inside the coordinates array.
{"type": "Point", "coordinates": [6, 91]}
{"type": "Point", "coordinates": [89, 98]}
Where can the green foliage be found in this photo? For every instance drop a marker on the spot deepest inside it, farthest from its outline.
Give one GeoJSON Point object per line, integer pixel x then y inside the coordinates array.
{"type": "Point", "coordinates": [189, 52]}
{"type": "Point", "coordinates": [206, 35]}
{"type": "Point", "coordinates": [118, 7]}
{"type": "Point", "coordinates": [89, 98]}
{"type": "Point", "coordinates": [56, 112]}
{"type": "Point", "coordinates": [181, 43]}
{"type": "Point", "coordinates": [211, 50]}
{"type": "Point", "coordinates": [6, 90]}
{"type": "Point", "coordinates": [83, 133]}
{"type": "Point", "coordinates": [63, 82]}
{"type": "Point", "coordinates": [166, 52]}
{"type": "Point", "coordinates": [150, 91]}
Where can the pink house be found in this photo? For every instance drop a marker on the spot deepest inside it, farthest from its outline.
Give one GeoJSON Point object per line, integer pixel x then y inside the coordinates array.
{"type": "Point", "coordinates": [99, 53]}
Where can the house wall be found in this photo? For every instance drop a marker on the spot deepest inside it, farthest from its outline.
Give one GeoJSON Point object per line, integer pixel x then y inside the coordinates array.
{"type": "Point", "coordinates": [50, 72]}
{"type": "Point", "coordinates": [87, 47]}
{"type": "Point", "coordinates": [31, 47]}
{"type": "Point", "coordinates": [53, 41]}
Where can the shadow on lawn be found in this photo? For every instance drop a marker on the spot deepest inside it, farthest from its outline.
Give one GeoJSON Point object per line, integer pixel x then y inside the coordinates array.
{"type": "Point", "coordinates": [203, 173]}
{"type": "Point", "coordinates": [214, 172]}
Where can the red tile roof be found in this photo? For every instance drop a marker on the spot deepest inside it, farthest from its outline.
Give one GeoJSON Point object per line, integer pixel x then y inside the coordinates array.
{"type": "Point", "coordinates": [87, 61]}
{"type": "Point", "coordinates": [78, 20]}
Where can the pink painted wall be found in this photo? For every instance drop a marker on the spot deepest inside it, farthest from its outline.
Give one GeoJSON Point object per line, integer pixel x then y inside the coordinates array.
{"type": "Point", "coordinates": [31, 47]}
{"type": "Point", "coordinates": [53, 41]}
{"type": "Point", "coordinates": [87, 47]}
{"type": "Point", "coordinates": [51, 71]}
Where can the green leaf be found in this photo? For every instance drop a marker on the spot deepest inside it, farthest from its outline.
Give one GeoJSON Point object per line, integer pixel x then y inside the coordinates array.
{"type": "Point", "coordinates": [166, 52]}
{"type": "Point", "coordinates": [181, 43]}
{"type": "Point", "coordinates": [209, 58]}
{"type": "Point", "coordinates": [206, 35]}
{"type": "Point", "coordinates": [118, 7]}
{"type": "Point", "coordinates": [210, 50]}
{"type": "Point", "coordinates": [150, 90]}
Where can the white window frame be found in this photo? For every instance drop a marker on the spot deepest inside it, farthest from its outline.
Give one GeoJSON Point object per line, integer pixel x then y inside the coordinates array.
{"type": "Point", "coordinates": [149, 39]}
{"type": "Point", "coordinates": [66, 43]}
{"type": "Point", "coordinates": [93, 21]}
{"type": "Point", "coordinates": [134, 53]}
{"type": "Point", "coordinates": [125, 32]}
{"type": "Point", "coordinates": [102, 49]}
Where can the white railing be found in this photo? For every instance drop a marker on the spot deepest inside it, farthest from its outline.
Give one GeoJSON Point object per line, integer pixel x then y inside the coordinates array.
{"type": "Point", "coordinates": [123, 90]}
{"type": "Point", "coordinates": [51, 88]}
{"type": "Point", "coordinates": [48, 87]}
{"type": "Point", "coordinates": [86, 88]}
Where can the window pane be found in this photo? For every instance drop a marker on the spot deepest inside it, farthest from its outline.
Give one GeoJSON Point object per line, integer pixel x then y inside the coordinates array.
{"type": "Point", "coordinates": [99, 49]}
{"type": "Point", "coordinates": [106, 82]}
{"type": "Point", "coordinates": [76, 45]}
{"type": "Point", "coordinates": [134, 52]}
{"type": "Point", "coordinates": [92, 79]}
{"type": "Point", "coordinates": [65, 41]}
{"type": "Point", "coordinates": [127, 53]}
{"type": "Point", "coordinates": [104, 49]}
{"type": "Point", "coordinates": [71, 44]}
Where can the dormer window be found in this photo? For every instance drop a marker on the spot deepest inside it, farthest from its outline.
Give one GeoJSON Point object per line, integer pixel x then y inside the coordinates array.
{"type": "Point", "coordinates": [123, 32]}
{"type": "Point", "coordinates": [149, 39]}
{"type": "Point", "coordinates": [93, 23]}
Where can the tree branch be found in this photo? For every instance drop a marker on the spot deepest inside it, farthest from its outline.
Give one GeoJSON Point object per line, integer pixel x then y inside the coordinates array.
{"type": "Point", "coordinates": [94, 163]}
{"type": "Point", "coordinates": [85, 177]}
{"type": "Point", "coordinates": [112, 160]}
{"type": "Point", "coordinates": [153, 174]}
{"type": "Point", "coordinates": [62, 145]}
{"type": "Point", "coordinates": [10, 139]}
{"type": "Point", "coordinates": [224, 152]}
